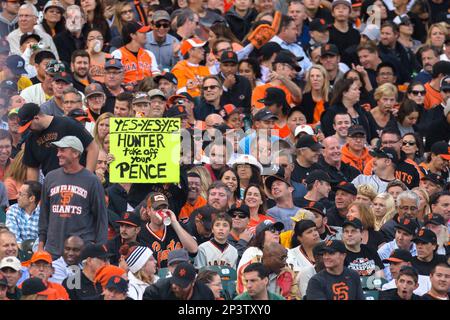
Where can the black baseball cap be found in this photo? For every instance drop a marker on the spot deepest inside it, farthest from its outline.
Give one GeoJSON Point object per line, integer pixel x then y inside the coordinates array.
{"type": "Point", "coordinates": [168, 76]}
{"type": "Point", "coordinates": [303, 225]}
{"type": "Point", "coordinates": [267, 50]}
{"type": "Point", "coordinates": [244, 209]}
{"type": "Point", "coordinates": [442, 149]}
{"type": "Point", "coordinates": [279, 175]}
{"type": "Point", "coordinates": [332, 246]}
{"type": "Point", "coordinates": [117, 283]}
{"type": "Point", "coordinates": [329, 49]}
{"type": "Point", "coordinates": [288, 58]}
{"type": "Point", "coordinates": [308, 141]}
{"type": "Point", "coordinates": [130, 218]}
{"type": "Point", "coordinates": [78, 114]}
{"type": "Point", "coordinates": [26, 114]}
{"type": "Point", "coordinates": [36, 286]}
{"type": "Point", "coordinates": [407, 225]}
{"type": "Point", "coordinates": [434, 218]}
{"type": "Point", "coordinates": [133, 27]}
{"type": "Point", "coordinates": [425, 235]}
{"type": "Point", "coordinates": [264, 114]}
{"type": "Point", "coordinates": [399, 255]}
{"type": "Point", "coordinates": [274, 95]}
{"type": "Point", "coordinates": [268, 224]}
{"type": "Point", "coordinates": [205, 214]}
{"type": "Point", "coordinates": [28, 35]}
{"type": "Point", "coordinates": [356, 129]}
{"type": "Point", "coordinates": [183, 275]}
{"type": "Point", "coordinates": [317, 207]}
{"type": "Point", "coordinates": [318, 25]}
{"type": "Point", "coordinates": [354, 222]}
{"type": "Point", "coordinates": [388, 153]}
{"type": "Point", "coordinates": [319, 175]}
{"type": "Point", "coordinates": [347, 187]}
{"type": "Point", "coordinates": [91, 250]}
{"type": "Point", "coordinates": [229, 56]}
{"type": "Point", "coordinates": [435, 178]}
{"type": "Point", "coordinates": [176, 111]}
{"type": "Point", "coordinates": [63, 76]}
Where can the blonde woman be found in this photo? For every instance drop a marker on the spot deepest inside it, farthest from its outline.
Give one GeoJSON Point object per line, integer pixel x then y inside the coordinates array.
{"type": "Point", "coordinates": [365, 194]}
{"type": "Point", "coordinates": [315, 97]}
{"type": "Point", "coordinates": [101, 128]}
{"type": "Point", "coordinates": [386, 98]}
{"type": "Point", "coordinates": [141, 269]}
{"type": "Point", "coordinates": [437, 34]}
{"type": "Point", "coordinates": [424, 200]}
{"type": "Point", "coordinates": [205, 178]}
{"type": "Point", "coordinates": [373, 239]}
{"type": "Point", "coordinates": [15, 175]}
{"type": "Point", "coordinates": [123, 13]}
{"type": "Point", "coordinates": [383, 209]}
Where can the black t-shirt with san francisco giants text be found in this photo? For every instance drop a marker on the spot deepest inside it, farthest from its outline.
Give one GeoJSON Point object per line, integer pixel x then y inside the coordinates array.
{"type": "Point", "coordinates": [39, 151]}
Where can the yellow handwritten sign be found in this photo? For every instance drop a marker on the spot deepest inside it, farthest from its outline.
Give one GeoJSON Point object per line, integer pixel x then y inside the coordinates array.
{"type": "Point", "coordinates": [146, 150]}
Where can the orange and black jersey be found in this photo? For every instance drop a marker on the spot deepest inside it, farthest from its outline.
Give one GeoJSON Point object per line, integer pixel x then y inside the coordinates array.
{"type": "Point", "coordinates": [160, 243]}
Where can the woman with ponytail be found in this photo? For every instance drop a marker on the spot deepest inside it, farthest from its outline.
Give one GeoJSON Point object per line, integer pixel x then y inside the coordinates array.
{"type": "Point", "coordinates": [141, 269]}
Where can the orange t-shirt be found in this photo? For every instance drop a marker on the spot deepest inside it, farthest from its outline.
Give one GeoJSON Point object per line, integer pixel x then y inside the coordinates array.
{"type": "Point", "coordinates": [260, 92]}
{"type": "Point", "coordinates": [318, 110]}
{"type": "Point", "coordinates": [253, 223]}
{"type": "Point", "coordinates": [283, 132]}
{"type": "Point", "coordinates": [432, 97]}
{"type": "Point", "coordinates": [187, 209]}
{"type": "Point", "coordinates": [97, 70]}
{"type": "Point", "coordinates": [60, 292]}
{"type": "Point", "coordinates": [184, 71]}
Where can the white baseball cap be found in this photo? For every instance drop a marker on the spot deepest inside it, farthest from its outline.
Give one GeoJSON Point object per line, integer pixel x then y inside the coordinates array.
{"type": "Point", "coordinates": [304, 128]}
{"type": "Point", "coordinates": [70, 142]}
{"type": "Point", "coordinates": [247, 159]}
{"type": "Point", "coordinates": [11, 262]}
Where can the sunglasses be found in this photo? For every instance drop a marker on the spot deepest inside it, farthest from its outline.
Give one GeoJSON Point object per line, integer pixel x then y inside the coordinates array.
{"type": "Point", "coordinates": [239, 215]}
{"type": "Point", "coordinates": [418, 92]}
{"type": "Point", "coordinates": [274, 230]}
{"type": "Point", "coordinates": [409, 143]}
{"type": "Point", "coordinates": [446, 90]}
{"type": "Point", "coordinates": [162, 25]}
{"type": "Point", "coordinates": [206, 88]}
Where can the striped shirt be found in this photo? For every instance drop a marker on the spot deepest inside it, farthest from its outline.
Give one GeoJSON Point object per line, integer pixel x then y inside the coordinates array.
{"type": "Point", "coordinates": [23, 225]}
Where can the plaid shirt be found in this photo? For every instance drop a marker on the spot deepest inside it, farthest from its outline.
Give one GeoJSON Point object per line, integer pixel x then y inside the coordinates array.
{"type": "Point", "coordinates": [23, 225]}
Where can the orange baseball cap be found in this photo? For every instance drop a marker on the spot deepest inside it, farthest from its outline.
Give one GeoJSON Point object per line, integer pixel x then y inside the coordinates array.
{"type": "Point", "coordinates": [39, 256]}
{"type": "Point", "coordinates": [188, 44]}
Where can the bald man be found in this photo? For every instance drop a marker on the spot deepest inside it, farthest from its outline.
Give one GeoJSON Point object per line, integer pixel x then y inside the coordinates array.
{"type": "Point", "coordinates": [274, 259]}
{"type": "Point", "coordinates": [69, 263]}
{"type": "Point", "coordinates": [330, 162]}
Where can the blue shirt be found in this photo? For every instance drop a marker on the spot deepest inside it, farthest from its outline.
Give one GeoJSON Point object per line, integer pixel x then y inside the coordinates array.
{"type": "Point", "coordinates": [283, 215]}
{"type": "Point", "coordinates": [23, 225]}
{"type": "Point", "coordinates": [385, 251]}
{"type": "Point", "coordinates": [162, 51]}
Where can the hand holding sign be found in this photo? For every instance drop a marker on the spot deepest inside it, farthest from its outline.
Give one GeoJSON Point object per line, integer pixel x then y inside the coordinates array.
{"type": "Point", "coordinates": [145, 150]}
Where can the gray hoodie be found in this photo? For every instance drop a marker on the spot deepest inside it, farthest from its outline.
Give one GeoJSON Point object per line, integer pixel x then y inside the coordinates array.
{"type": "Point", "coordinates": [72, 204]}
